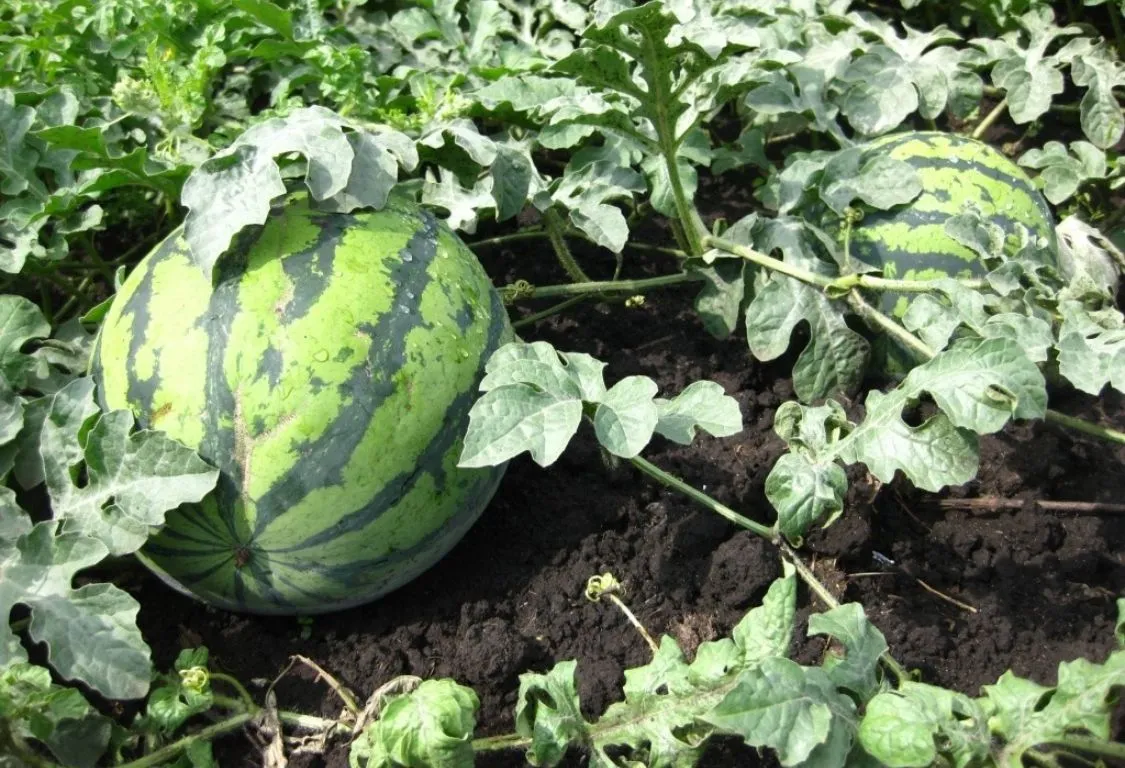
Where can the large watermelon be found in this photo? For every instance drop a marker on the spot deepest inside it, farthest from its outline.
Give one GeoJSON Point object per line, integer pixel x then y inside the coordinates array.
{"type": "Point", "coordinates": [328, 373]}
{"type": "Point", "coordinates": [909, 242]}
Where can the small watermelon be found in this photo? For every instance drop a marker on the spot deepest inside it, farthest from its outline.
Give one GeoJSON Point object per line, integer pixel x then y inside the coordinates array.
{"type": "Point", "coordinates": [328, 372]}
{"type": "Point", "coordinates": [909, 242]}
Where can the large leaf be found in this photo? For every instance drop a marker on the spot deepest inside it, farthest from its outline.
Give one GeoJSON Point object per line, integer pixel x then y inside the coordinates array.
{"type": "Point", "coordinates": [132, 479]}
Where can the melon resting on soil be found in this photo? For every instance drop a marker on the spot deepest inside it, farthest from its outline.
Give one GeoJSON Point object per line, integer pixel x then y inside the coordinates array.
{"type": "Point", "coordinates": [327, 371]}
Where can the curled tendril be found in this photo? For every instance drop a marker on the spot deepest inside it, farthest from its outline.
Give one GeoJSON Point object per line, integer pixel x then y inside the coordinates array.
{"type": "Point", "coordinates": [195, 678]}
{"type": "Point", "coordinates": [513, 292]}
{"type": "Point", "coordinates": [599, 586]}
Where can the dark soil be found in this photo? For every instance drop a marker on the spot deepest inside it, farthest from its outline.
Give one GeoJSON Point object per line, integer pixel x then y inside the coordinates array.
{"type": "Point", "coordinates": [1037, 587]}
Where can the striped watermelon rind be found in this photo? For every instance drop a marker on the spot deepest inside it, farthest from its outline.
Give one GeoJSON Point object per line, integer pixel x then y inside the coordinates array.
{"type": "Point", "coordinates": [328, 373]}
{"type": "Point", "coordinates": [958, 174]}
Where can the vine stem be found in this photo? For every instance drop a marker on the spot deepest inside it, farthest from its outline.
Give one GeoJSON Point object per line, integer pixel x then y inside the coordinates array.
{"type": "Point", "coordinates": [243, 694]}
{"type": "Point", "coordinates": [1081, 425]}
{"type": "Point", "coordinates": [172, 750]}
{"type": "Point", "coordinates": [603, 286]}
{"type": "Point", "coordinates": [504, 741]}
{"type": "Point", "coordinates": [526, 234]}
{"type": "Point", "coordinates": [845, 283]}
{"type": "Point", "coordinates": [769, 262]}
{"type": "Point", "coordinates": [830, 600]}
{"type": "Point", "coordinates": [1086, 744]}
{"type": "Point", "coordinates": [675, 483]}
{"type": "Point", "coordinates": [556, 232]}
{"type": "Point", "coordinates": [769, 534]}
{"type": "Point", "coordinates": [989, 119]}
{"type": "Point", "coordinates": [548, 312]}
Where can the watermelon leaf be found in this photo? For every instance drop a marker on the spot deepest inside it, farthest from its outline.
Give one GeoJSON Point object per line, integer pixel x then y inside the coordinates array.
{"type": "Point", "coordinates": [129, 482]}
{"type": "Point", "coordinates": [857, 670]}
{"type": "Point", "coordinates": [881, 181]}
{"type": "Point", "coordinates": [1100, 71]}
{"type": "Point", "coordinates": [430, 725]}
{"type": "Point", "coordinates": [1092, 347]}
{"type": "Point", "coordinates": [90, 632]}
{"type": "Point", "coordinates": [626, 417]}
{"type": "Point", "coordinates": [1062, 172]}
{"type": "Point", "coordinates": [515, 418]}
{"type": "Point", "coordinates": [1030, 77]}
{"type": "Point", "coordinates": [791, 709]}
{"type": "Point", "coordinates": [834, 360]}
{"type": "Point", "coordinates": [978, 386]}
{"type": "Point", "coordinates": [702, 405]}
{"type": "Point", "coordinates": [903, 727]}
{"type": "Point", "coordinates": [236, 188]}
{"type": "Point", "coordinates": [535, 397]}
{"type": "Point", "coordinates": [463, 205]}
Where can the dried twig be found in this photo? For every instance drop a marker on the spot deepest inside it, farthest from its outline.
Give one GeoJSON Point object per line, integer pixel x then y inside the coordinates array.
{"type": "Point", "coordinates": [996, 503]}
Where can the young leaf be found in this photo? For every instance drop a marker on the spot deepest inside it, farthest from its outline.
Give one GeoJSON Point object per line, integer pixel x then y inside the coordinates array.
{"type": "Point", "coordinates": [548, 713]}
{"type": "Point", "coordinates": [803, 491]}
{"type": "Point", "coordinates": [33, 707]}
{"type": "Point", "coordinates": [766, 630]}
{"type": "Point", "coordinates": [791, 709]}
{"type": "Point", "coordinates": [702, 405]}
{"type": "Point", "coordinates": [903, 728]}
{"type": "Point", "coordinates": [1025, 714]}
{"type": "Point", "coordinates": [511, 419]}
{"type": "Point", "coordinates": [626, 417]}
{"type": "Point", "coordinates": [430, 726]}
{"type": "Point", "coordinates": [863, 644]}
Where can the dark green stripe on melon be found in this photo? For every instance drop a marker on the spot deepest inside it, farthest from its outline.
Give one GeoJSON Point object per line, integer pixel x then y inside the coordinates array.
{"type": "Point", "coordinates": [328, 372]}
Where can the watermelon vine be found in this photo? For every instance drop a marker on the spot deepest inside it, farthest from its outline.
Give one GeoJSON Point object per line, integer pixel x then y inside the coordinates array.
{"type": "Point", "coordinates": [309, 389]}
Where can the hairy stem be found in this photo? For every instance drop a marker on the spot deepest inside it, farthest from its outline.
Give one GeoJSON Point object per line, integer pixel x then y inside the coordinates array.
{"type": "Point", "coordinates": [675, 483]}
{"type": "Point", "coordinates": [990, 118]}
{"type": "Point", "coordinates": [605, 286]}
{"type": "Point", "coordinates": [556, 230]}
{"type": "Point", "coordinates": [170, 751]}
{"type": "Point", "coordinates": [661, 102]}
{"type": "Point", "coordinates": [504, 741]}
{"type": "Point", "coordinates": [525, 234]}
{"type": "Point", "coordinates": [548, 312]}
{"type": "Point", "coordinates": [769, 262]}
{"type": "Point", "coordinates": [1096, 746]}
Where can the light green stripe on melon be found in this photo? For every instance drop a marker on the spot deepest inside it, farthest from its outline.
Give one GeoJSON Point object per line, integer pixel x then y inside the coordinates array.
{"type": "Point", "coordinates": [911, 238]}
{"type": "Point", "coordinates": [273, 422]}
